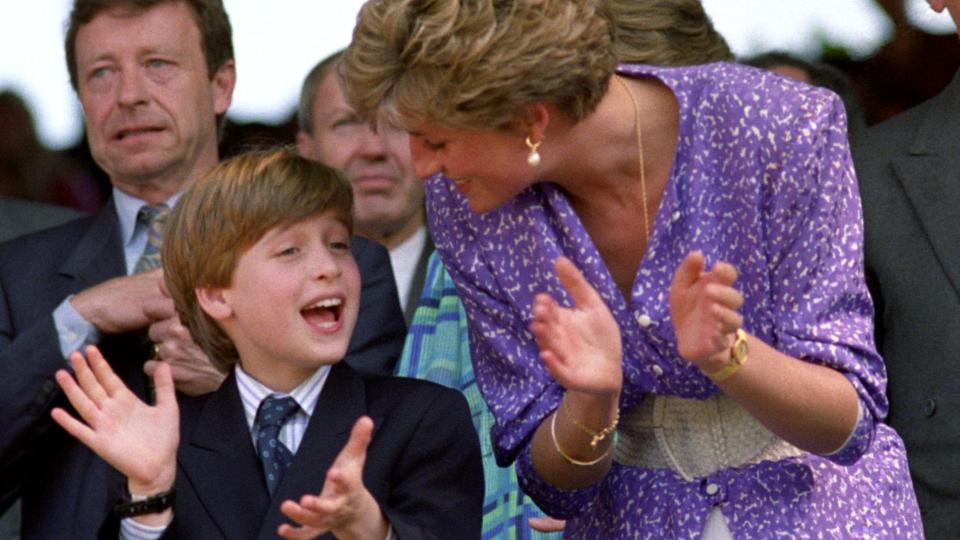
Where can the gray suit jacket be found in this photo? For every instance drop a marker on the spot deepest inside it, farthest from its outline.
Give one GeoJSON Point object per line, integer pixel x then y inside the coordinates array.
{"type": "Point", "coordinates": [21, 217]}
{"type": "Point", "coordinates": [909, 171]}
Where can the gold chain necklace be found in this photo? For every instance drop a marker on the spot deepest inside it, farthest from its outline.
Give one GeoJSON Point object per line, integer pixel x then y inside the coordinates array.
{"type": "Point", "coordinates": [643, 176]}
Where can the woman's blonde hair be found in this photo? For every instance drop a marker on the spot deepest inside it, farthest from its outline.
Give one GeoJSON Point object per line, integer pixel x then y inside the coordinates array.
{"type": "Point", "coordinates": [666, 33]}
{"type": "Point", "coordinates": [225, 213]}
{"type": "Point", "coordinates": [475, 64]}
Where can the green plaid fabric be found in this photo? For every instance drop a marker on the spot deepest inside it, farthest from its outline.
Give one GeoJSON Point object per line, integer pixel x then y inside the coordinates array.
{"type": "Point", "coordinates": [437, 350]}
{"type": "Point", "coordinates": [154, 217]}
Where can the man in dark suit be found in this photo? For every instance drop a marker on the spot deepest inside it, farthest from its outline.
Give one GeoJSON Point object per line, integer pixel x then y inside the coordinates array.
{"type": "Point", "coordinates": [153, 81]}
{"type": "Point", "coordinates": [909, 172]}
{"type": "Point", "coordinates": [19, 217]}
{"type": "Point", "coordinates": [388, 197]}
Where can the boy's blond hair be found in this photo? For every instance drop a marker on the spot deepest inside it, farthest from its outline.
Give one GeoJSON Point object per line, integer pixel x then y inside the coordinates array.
{"type": "Point", "coordinates": [228, 211]}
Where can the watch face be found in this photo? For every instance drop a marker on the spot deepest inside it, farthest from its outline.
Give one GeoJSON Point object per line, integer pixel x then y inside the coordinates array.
{"type": "Point", "coordinates": [740, 350]}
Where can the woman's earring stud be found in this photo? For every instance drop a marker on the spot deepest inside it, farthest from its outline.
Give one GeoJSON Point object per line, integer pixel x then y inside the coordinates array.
{"type": "Point", "coordinates": [533, 159]}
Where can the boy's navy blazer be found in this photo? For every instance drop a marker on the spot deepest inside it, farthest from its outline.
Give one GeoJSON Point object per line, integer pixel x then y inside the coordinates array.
{"type": "Point", "coordinates": [61, 482]}
{"type": "Point", "coordinates": [423, 465]}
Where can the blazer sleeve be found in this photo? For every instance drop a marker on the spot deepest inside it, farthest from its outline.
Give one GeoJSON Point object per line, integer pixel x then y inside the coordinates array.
{"type": "Point", "coordinates": [29, 358]}
{"type": "Point", "coordinates": [437, 484]}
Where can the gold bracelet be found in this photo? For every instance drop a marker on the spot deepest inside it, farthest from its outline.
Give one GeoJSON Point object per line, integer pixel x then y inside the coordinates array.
{"type": "Point", "coordinates": [570, 460]}
{"type": "Point", "coordinates": [597, 436]}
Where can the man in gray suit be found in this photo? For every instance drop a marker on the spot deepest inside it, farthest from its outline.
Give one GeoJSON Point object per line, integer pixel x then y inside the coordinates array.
{"type": "Point", "coordinates": [18, 217]}
{"type": "Point", "coordinates": [909, 171]}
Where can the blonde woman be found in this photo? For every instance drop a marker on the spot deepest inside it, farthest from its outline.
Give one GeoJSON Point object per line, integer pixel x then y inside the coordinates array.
{"type": "Point", "coordinates": [661, 268]}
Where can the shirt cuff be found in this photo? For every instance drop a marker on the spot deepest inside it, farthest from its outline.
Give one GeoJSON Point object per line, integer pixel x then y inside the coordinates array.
{"type": "Point", "coordinates": [131, 529]}
{"type": "Point", "coordinates": [73, 330]}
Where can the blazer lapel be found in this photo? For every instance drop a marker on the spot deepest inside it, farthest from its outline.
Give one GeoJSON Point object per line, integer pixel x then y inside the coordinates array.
{"type": "Point", "coordinates": [930, 175]}
{"type": "Point", "coordinates": [98, 256]}
{"type": "Point", "coordinates": [341, 403]}
{"type": "Point", "coordinates": [219, 460]}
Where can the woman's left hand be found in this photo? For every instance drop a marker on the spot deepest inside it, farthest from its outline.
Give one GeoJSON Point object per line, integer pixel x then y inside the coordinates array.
{"type": "Point", "coordinates": [703, 306]}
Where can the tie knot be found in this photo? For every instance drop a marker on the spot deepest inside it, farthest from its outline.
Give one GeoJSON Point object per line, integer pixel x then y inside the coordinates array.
{"type": "Point", "coordinates": [150, 215]}
{"type": "Point", "coordinates": [275, 411]}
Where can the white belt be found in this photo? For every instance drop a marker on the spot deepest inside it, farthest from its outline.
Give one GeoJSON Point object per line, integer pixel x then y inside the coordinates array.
{"type": "Point", "coordinates": [695, 437]}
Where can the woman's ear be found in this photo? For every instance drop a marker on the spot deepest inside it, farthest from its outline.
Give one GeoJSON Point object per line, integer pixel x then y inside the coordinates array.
{"type": "Point", "coordinates": [213, 302]}
{"type": "Point", "coordinates": [533, 121]}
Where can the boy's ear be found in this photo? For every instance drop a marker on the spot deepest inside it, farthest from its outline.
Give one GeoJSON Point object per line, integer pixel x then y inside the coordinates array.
{"type": "Point", "coordinates": [213, 302]}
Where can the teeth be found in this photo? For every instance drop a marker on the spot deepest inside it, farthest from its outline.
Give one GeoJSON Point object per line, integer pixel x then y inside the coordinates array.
{"type": "Point", "coordinates": [326, 303]}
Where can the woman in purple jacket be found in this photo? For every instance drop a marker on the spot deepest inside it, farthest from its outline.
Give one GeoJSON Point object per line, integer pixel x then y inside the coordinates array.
{"type": "Point", "coordinates": [661, 267]}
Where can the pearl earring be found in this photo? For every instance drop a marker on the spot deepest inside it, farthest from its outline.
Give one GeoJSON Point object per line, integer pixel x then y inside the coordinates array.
{"type": "Point", "coordinates": [533, 159]}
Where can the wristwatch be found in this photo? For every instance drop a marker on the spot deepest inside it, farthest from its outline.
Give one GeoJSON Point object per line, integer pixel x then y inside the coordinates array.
{"type": "Point", "coordinates": [153, 504]}
{"type": "Point", "coordinates": [738, 357]}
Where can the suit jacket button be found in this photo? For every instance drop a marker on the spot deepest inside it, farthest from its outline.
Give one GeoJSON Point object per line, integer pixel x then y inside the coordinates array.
{"type": "Point", "coordinates": [930, 407]}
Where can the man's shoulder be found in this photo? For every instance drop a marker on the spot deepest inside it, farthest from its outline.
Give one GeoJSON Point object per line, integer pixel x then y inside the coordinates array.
{"type": "Point", "coordinates": [20, 217]}
{"type": "Point", "coordinates": [41, 248]}
{"type": "Point", "coordinates": [897, 134]}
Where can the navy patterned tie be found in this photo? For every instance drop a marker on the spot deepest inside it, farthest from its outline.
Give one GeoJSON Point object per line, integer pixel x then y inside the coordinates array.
{"type": "Point", "coordinates": [272, 415]}
{"type": "Point", "coordinates": [154, 217]}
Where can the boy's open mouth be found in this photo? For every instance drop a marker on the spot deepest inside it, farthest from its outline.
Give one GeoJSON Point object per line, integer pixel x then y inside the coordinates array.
{"type": "Point", "coordinates": [323, 314]}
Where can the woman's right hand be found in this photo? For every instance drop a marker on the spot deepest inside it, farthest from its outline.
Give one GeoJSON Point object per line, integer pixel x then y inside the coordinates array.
{"type": "Point", "coordinates": [580, 346]}
{"type": "Point", "coordinates": [137, 439]}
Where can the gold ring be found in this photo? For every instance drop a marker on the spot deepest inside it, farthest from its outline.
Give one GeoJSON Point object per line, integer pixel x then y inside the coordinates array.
{"type": "Point", "coordinates": [156, 351]}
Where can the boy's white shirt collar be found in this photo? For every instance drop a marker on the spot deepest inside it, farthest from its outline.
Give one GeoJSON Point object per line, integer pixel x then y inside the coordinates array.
{"type": "Point", "coordinates": [253, 392]}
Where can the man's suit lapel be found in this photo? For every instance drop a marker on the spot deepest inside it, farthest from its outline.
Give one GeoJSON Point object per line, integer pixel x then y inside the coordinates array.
{"type": "Point", "coordinates": [341, 403]}
{"type": "Point", "coordinates": [929, 172]}
{"type": "Point", "coordinates": [221, 464]}
{"type": "Point", "coordinates": [98, 256]}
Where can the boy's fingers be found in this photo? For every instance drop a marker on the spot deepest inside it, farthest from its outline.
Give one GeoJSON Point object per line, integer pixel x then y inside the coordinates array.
{"type": "Point", "coordinates": [163, 384]}
{"type": "Point", "coordinates": [356, 447]}
{"type": "Point", "coordinates": [298, 533]}
{"type": "Point", "coordinates": [86, 408]}
{"type": "Point", "coordinates": [104, 373]}
{"type": "Point", "coordinates": [74, 427]}
{"type": "Point", "coordinates": [86, 379]}
{"type": "Point", "coordinates": [689, 271]}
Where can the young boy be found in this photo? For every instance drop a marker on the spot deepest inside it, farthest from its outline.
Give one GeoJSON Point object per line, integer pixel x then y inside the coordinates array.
{"type": "Point", "coordinates": [257, 260]}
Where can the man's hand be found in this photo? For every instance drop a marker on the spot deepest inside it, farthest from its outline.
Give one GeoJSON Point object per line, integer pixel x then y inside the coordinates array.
{"type": "Point", "coordinates": [117, 305]}
{"type": "Point", "coordinates": [344, 506]}
{"type": "Point", "coordinates": [137, 439]}
{"type": "Point", "coordinates": [193, 373]}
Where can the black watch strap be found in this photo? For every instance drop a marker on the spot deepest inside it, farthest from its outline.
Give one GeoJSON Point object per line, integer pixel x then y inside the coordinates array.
{"type": "Point", "coordinates": [151, 505]}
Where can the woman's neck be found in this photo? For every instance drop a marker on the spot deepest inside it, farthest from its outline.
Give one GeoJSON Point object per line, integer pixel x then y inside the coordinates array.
{"type": "Point", "coordinates": [601, 163]}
